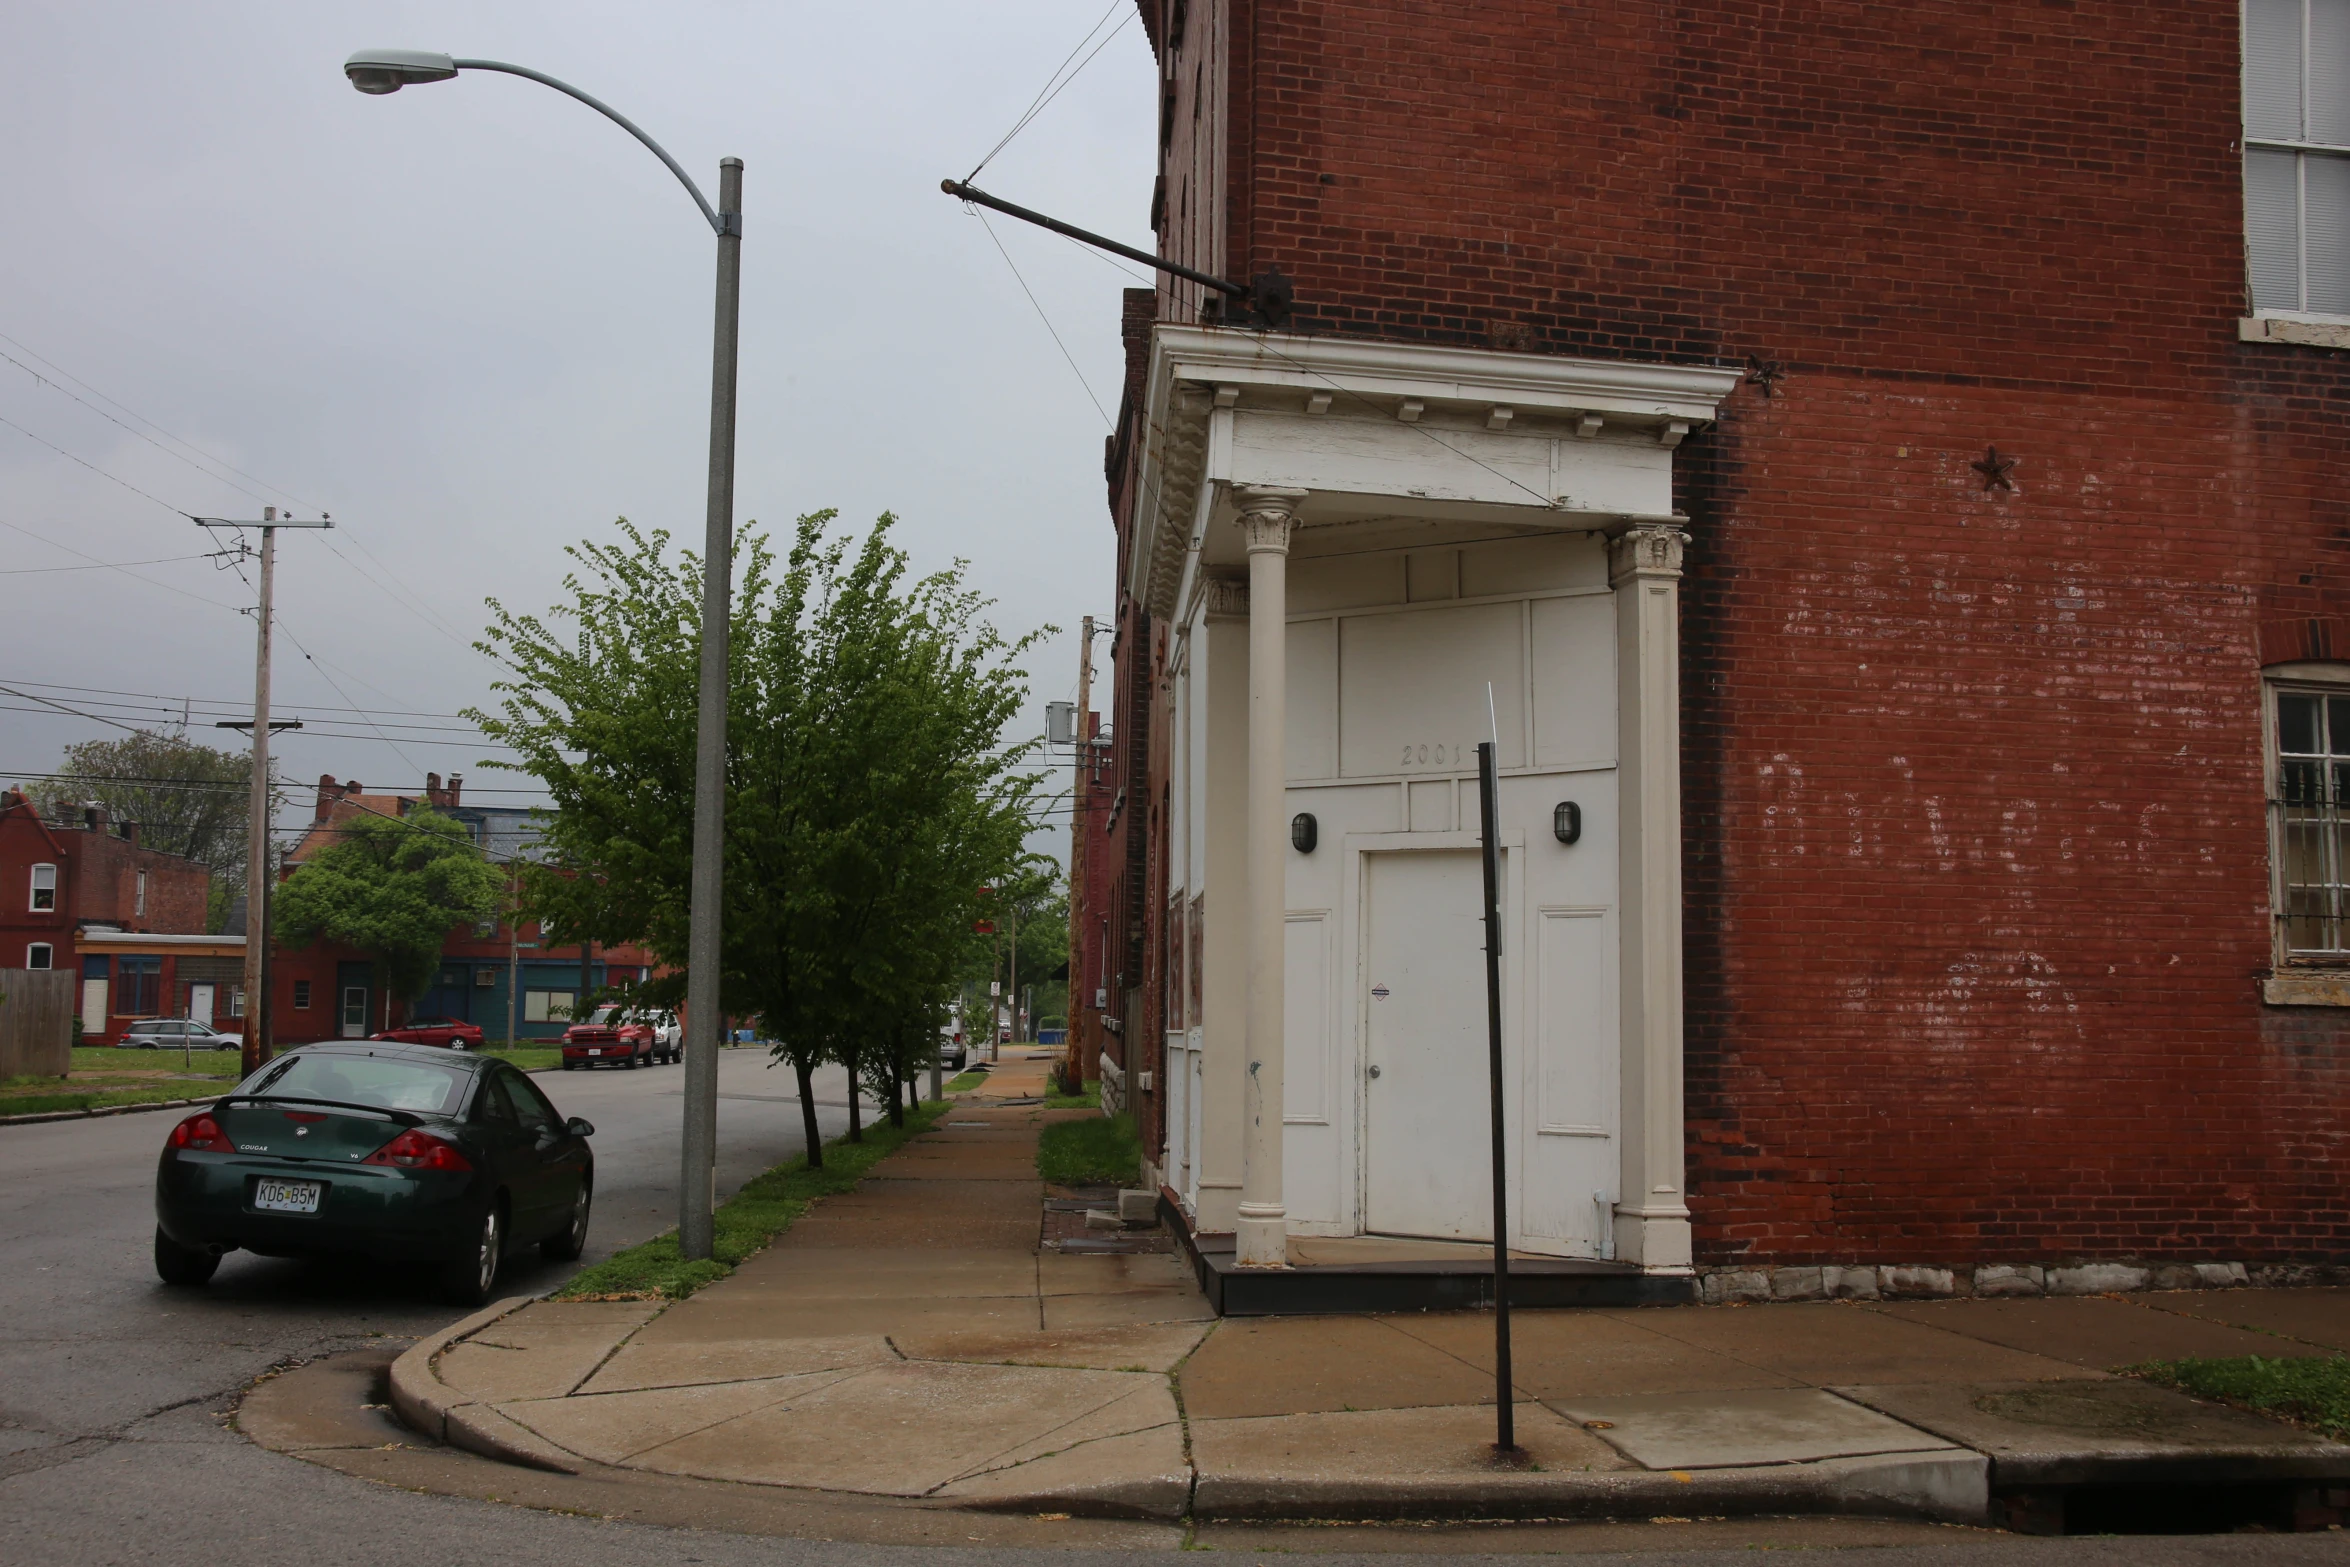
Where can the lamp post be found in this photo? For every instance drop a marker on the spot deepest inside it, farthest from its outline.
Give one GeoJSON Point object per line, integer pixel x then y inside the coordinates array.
{"type": "Point", "coordinates": [381, 71]}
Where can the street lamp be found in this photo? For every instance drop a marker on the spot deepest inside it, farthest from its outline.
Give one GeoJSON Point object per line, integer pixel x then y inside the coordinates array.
{"type": "Point", "coordinates": [378, 72]}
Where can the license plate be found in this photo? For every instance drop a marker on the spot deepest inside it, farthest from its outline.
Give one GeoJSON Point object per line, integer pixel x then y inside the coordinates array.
{"type": "Point", "coordinates": [595, 1052]}
{"type": "Point", "coordinates": [288, 1196]}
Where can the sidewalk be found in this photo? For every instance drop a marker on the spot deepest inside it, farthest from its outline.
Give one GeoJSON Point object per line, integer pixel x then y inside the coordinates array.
{"type": "Point", "coordinates": [911, 1340]}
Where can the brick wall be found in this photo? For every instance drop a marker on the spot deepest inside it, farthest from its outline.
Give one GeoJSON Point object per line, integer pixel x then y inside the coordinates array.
{"type": "Point", "coordinates": [1977, 868]}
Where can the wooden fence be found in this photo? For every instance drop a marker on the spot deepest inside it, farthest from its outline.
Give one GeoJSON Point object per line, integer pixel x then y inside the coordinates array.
{"type": "Point", "coordinates": [36, 1022]}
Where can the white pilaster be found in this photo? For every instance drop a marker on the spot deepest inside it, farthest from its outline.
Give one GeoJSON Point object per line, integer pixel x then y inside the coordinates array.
{"type": "Point", "coordinates": [1261, 1239]}
{"type": "Point", "coordinates": [1652, 1212]}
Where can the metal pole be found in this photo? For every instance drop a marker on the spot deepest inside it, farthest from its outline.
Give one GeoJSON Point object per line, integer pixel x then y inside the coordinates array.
{"type": "Point", "coordinates": [697, 1183]}
{"type": "Point", "coordinates": [1082, 1063]}
{"type": "Point", "coordinates": [257, 809]}
{"type": "Point", "coordinates": [1505, 1438]}
{"type": "Point", "coordinates": [513, 955]}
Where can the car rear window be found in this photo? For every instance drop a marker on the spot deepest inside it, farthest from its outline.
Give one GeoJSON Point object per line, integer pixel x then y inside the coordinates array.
{"type": "Point", "coordinates": [386, 1082]}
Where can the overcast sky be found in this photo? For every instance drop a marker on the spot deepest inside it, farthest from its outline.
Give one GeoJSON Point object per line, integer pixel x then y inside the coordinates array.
{"type": "Point", "coordinates": [472, 321]}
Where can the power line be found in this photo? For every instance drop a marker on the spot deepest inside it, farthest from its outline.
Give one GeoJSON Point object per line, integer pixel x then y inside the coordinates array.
{"type": "Point", "coordinates": [191, 446]}
{"type": "Point", "coordinates": [62, 708]}
{"type": "Point", "coordinates": [1041, 316]}
{"type": "Point", "coordinates": [94, 468]}
{"type": "Point", "coordinates": [100, 565]}
{"type": "Point", "coordinates": [111, 566]}
{"type": "Point", "coordinates": [1049, 91]}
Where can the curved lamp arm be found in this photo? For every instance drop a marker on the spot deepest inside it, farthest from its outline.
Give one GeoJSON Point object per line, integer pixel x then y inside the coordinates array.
{"type": "Point", "coordinates": [723, 223]}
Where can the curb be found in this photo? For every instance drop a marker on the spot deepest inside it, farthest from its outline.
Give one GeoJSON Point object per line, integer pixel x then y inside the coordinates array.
{"type": "Point", "coordinates": [1947, 1486]}
{"type": "Point", "coordinates": [85, 1115]}
{"type": "Point", "coordinates": [431, 1406]}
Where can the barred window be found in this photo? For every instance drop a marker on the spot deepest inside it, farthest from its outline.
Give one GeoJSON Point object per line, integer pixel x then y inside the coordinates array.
{"type": "Point", "coordinates": [2312, 784]}
{"type": "Point", "coordinates": [2297, 154]}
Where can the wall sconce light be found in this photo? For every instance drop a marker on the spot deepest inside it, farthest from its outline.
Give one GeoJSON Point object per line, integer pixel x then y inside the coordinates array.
{"type": "Point", "coordinates": [1566, 823]}
{"type": "Point", "coordinates": [1304, 832]}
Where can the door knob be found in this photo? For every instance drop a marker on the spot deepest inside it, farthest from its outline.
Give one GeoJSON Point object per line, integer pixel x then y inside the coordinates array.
{"type": "Point", "coordinates": [1374, 1071]}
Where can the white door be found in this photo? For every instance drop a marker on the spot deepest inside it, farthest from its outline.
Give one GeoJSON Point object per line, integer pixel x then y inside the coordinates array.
{"type": "Point", "coordinates": [1428, 1155]}
{"type": "Point", "coordinates": [93, 1006]}
{"type": "Point", "coordinates": [200, 1003]}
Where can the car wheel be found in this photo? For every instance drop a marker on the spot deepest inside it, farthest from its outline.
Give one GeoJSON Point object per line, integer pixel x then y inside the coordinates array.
{"type": "Point", "coordinates": [177, 1264]}
{"type": "Point", "coordinates": [469, 1279]}
{"type": "Point", "coordinates": [566, 1244]}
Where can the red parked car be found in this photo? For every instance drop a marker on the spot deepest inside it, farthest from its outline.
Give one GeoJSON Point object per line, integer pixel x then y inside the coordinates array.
{"type": "Point", "coordinates": [608, 1039]}
{"type": "Point", "coordinates": [453, 1033]}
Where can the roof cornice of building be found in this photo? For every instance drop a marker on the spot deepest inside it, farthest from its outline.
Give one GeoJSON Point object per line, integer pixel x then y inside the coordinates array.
{"type": "Point", "coordinates": [1200, 375]}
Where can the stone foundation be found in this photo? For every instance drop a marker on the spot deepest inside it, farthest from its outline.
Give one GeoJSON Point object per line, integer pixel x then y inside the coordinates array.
{"type": "Point", "coordinates": [1861, 1281]}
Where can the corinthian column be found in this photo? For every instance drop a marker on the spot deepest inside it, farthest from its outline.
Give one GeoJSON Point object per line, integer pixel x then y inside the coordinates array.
{"type": "Point", "coordinates": [1266, 517]}
{"type": "Point", "coordinates": [1652, 1214]}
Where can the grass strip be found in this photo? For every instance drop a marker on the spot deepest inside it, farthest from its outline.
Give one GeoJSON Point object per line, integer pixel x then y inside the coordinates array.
{"type": "Point", "coordinates": [766, 1206]}
{"type": "Point", "coordinates": [966, 1082]}
{"type": "Point", "coordinates": [530, 1058]}
{"type": "Point", "coordinates": [1089, 1099]}
{"type": "Point", "coordinates": [1092, 1152]}
{"type": "Point", "coordinates": [2312, 1391]}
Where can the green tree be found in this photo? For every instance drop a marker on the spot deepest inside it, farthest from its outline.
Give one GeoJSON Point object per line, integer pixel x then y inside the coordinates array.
{"type": "Point", "coordinates": [393, 887]}
{"type": "Point", "coordinates": [867, 795]}
{"type": "Point", "coordinates": [188, 799]}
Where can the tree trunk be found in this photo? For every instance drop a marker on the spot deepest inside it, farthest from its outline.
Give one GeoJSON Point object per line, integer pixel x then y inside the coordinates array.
{"type": "Point", "coordinates": [848, 1058]}
{"type": "Point", "coordinates": [805, 1071]}
{"type": "Point", "coordinates": [897, 1093]}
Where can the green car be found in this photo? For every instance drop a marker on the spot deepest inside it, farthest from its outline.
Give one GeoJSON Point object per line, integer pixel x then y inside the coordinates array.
{"type": "Point", "coordinates": [402, 1153]}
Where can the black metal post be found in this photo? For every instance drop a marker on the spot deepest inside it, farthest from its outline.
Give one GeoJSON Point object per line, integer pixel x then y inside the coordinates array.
{"type": "Point", "coordinates": [1505, 1439]}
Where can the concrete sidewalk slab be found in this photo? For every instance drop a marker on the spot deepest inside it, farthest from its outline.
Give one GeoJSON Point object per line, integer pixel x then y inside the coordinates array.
{"type": "Point", "coordinates": [1069, 1273]}
{"type": "Point", "coordinates": [1586, 1354]}
{"type": "Point", "coordinates": [613, 1428]}
{"type": "Point", "coordinates": [2108, 1430]}
{"type": "Point", "coordinates": [1143, 1474]}
{"type": "Point", "coordinates": [1259, 1458]}
{"type": "Point", "coordinates": [2314, 1316]}
{"type": "Point", "coordinates": [687, 1363]}
{"type": "Point", "coordinates": [909, 1233]}
{"type": "Point", "coordinates": [1743, 1430]}
{"type": "Point", "coordinates": [907, 1429]}
{"type": "Point", "coordinates": [1132, 1309]}
{"type": "Point", "coordinates": [1265, 1366]}
{"type": "Point", "coordinates": [1150, 1347]}
{"type": "Point", "coordinates": [2090, 1332]}
{"type": "Point", "coordinates": [493, 1373]}
{"type": "Point", "coordinates": [789, 1274]}
{"type": "Point", "coordinates": [741, 1318]}
{"type": "Point", "coordinates": [1826, 1343]}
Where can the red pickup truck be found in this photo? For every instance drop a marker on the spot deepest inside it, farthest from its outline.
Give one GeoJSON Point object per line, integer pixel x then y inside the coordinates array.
{"type": "Point", "coordinates": [608, 1039]}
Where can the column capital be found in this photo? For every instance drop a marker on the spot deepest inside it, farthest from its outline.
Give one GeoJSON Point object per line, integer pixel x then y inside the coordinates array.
{"type": "Point", "coordinates": [1267, 515]}
{"type": "Point", "coordinates": [1649, 549]}
{"type": "Point", "coordinates": [1224, 598]}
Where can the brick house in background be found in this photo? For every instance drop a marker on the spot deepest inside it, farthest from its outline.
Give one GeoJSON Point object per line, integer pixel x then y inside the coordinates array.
{"type": "Point", "coordinates": [487, 973]}
{"type": "Point", "coordinates": [1887, 464]}
{"type": "Point", "coordinates": [85, 895]}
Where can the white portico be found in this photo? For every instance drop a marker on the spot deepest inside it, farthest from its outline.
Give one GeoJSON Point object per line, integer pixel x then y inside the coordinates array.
{"type": "Point", "coordinates": [1350, 540]}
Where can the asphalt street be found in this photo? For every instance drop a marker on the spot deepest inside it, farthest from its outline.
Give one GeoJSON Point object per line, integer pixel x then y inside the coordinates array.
{"type": "Point", "coordinates": [113, 1389]}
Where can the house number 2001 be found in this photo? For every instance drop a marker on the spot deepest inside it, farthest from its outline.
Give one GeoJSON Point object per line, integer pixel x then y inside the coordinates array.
{"type": "Point", "coordinates": [1435, 754]}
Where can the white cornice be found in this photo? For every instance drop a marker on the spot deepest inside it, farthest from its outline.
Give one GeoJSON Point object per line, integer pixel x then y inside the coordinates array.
{"type": "Point", "coordinates": [1200, 377]}
{"type": "Point", "coordinates": [1479, 378]}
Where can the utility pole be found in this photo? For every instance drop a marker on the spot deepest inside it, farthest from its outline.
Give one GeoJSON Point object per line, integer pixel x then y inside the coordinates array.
{"type": "Point", "coordinates": [257, 828]}
{"type": "Point", "coordinates": [1081, 1061]}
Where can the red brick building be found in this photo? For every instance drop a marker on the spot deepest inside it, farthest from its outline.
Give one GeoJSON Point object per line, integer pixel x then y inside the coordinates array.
{"type": "Point", "coordinates": [501, 976]}
{"type": "Point", "coordinates": [1893, 460]}
{"type": "Point", "coordinates": [65, 881]}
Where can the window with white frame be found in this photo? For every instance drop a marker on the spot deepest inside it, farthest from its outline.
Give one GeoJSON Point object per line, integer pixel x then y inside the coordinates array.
{"type": "Point", "coordinates": [39, 955]}
{"type": "Point", "coordinates": [141, 909]}
{"type": "Point", "coordinates": [2310, 784]}
{"type": "Point", "coordinates": [2297, 155]}
{"type": "Point", "coordinates": [44, 889]}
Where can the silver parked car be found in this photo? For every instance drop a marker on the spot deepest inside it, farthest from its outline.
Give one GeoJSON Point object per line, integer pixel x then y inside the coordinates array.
{"type": "Point", "coordinates": [177, 1033]}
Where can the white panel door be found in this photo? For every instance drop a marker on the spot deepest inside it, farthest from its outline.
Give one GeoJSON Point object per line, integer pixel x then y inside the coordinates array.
{"type": "Point", "coordinates": [200, 1003]}
{"type": "Point", "coordinates": [1428, 1161]}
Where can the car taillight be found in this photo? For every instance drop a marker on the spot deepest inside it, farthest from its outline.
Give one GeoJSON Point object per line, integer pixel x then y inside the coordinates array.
{"type": "Point", "coordinates": [200, 1134]}
{"type": "Point", "coordinates": [415, 1150]}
